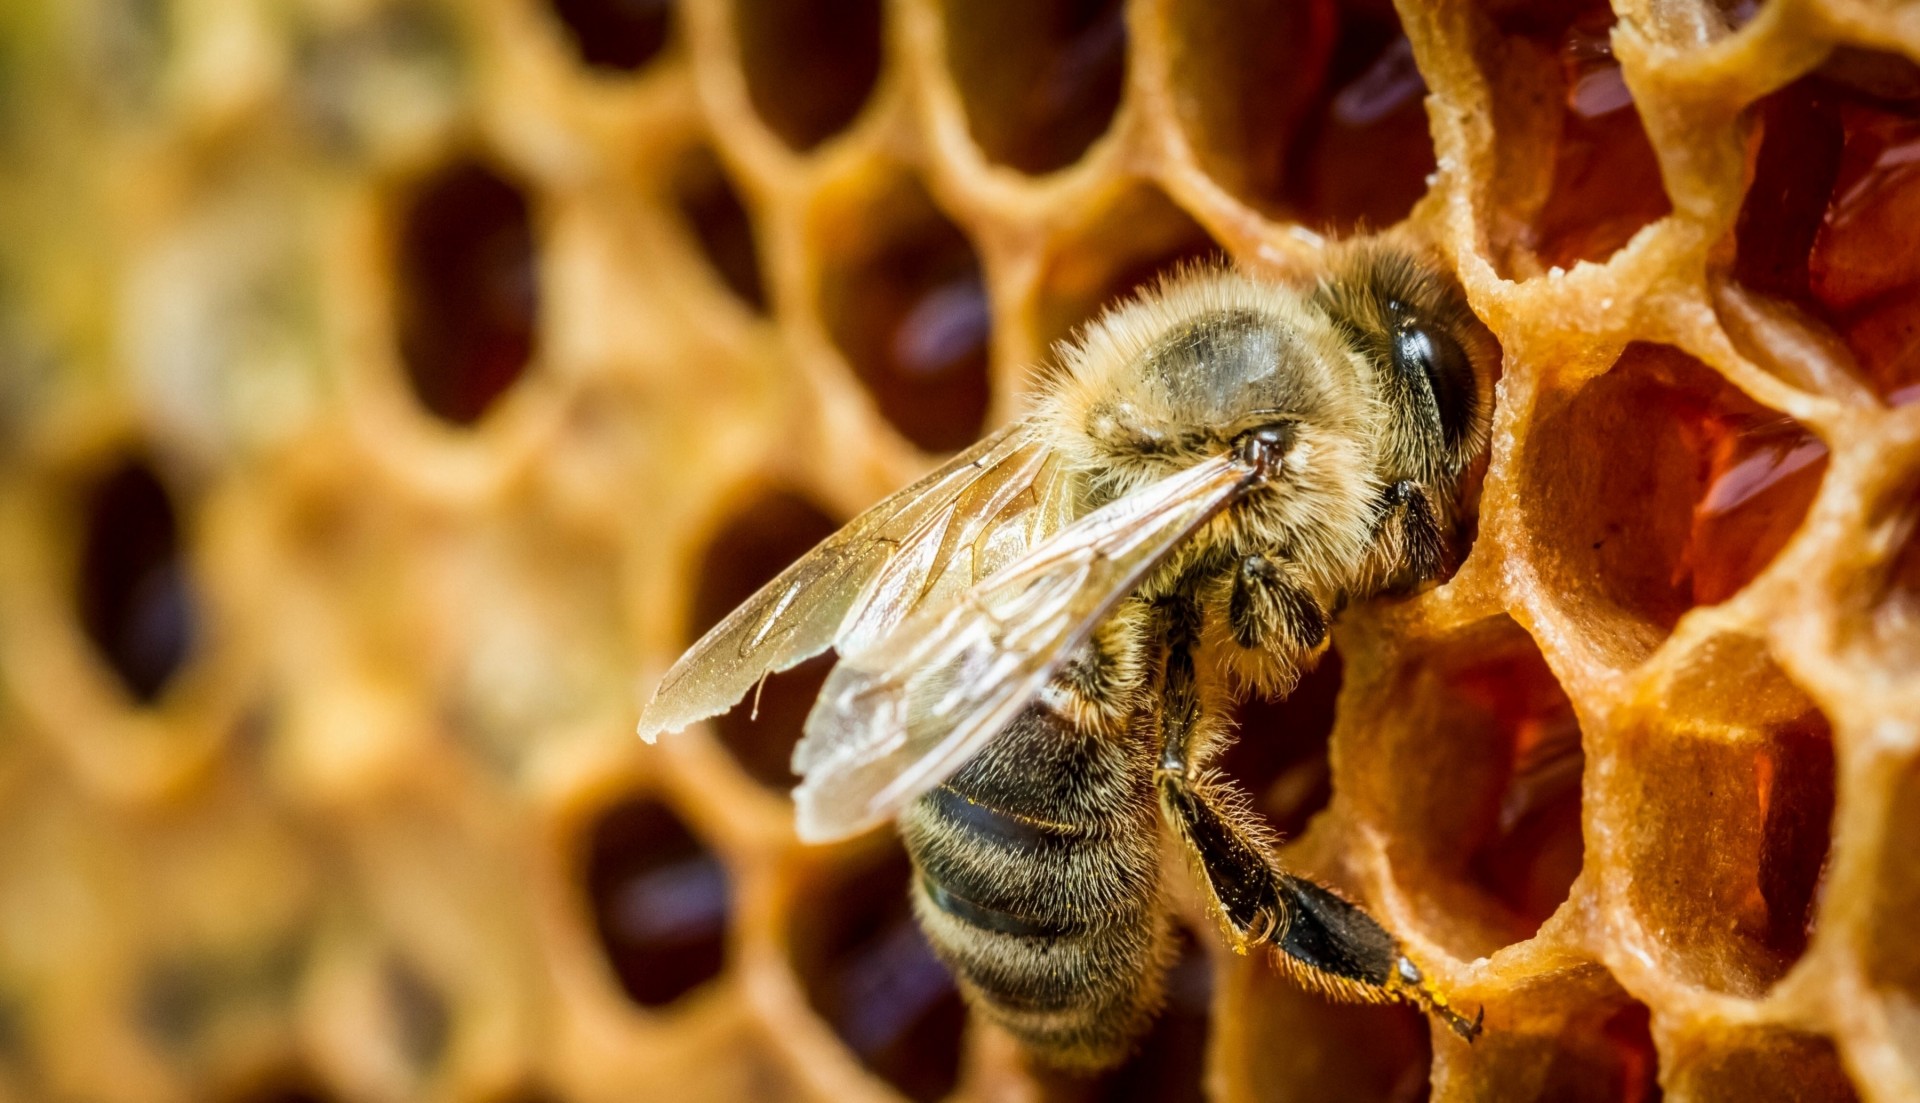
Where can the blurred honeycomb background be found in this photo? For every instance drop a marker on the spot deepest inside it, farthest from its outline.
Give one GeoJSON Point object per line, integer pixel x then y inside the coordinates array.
{"type": "Point", "coordinates": [389, 389]}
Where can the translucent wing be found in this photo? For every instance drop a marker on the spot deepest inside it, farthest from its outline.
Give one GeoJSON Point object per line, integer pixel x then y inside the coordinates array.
{"type": "Point", "coordinates": [900, 716]}
{"type": "Point", "coordinates": [923, 544]}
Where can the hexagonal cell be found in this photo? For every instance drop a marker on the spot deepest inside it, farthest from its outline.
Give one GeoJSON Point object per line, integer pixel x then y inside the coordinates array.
{"type": "Point", "coordinates": [744, 554]}
{"type": "Point", "coordinates": [659, 899]}
{"type": "Point", "coordinates": [1039, 80]}
{"type": "Point", "coordinates": [869, 972]}
{"type": "Point", "coordinates": [809, 64]}
{"type": "Point", "coordinates": [135, 596]}
{"type": "Point", "coordinates": [1834, 198]}
{"type": "Point", "coordinates": [183, 1000]}
{"type": "Point", "coordinates": [466, 289]}
{"type": "Point", "coordinates": [1725, 835]}
{"type": "Point", "coordinates": [1169, 1066]}
{"type": "Point", "coordinates": [1280, 754]}
{"type": "Point", "coordinates": [1505, 824]}
{"type": "Point", "coordinates": [905, 301]}
{"type": "Point", "coordinates": [617, 36]}
{"type": "Point", "coordinates": [1891, 955]}
{"type": "Point", "coordinates": [712, 210]}
{"type": "Point", "coordinates": [1557, 87]}
{"type": "Point", "coordinates": [1574, 1038]}
{"type": "Point", "coordinates": [422, 1023]}
{"type": "Point", "coordinates": [284, 1086]}
{"type": "Point", "coordinates": [1122, 248]}
{"type": "Point", "coordinates": [1308, 109]}
{"type": "Point", "coordinates": [1762, 1066]}
{"type": "Point", "coordinates": [1705, 490]}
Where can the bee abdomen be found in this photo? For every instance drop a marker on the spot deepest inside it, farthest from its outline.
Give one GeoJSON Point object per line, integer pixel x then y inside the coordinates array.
{"type": "Point", "coordinates": [1039, 885]}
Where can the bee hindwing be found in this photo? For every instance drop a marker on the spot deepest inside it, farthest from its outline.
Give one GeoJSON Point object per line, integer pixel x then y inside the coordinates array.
{"type": "Point", "coordinates": [901, 715]}
{"type": "Point", "coordinates": [926, 542]}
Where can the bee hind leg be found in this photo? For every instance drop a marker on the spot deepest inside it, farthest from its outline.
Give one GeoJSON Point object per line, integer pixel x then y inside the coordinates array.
{"type": "Point", "coordinates": [1324, 940]}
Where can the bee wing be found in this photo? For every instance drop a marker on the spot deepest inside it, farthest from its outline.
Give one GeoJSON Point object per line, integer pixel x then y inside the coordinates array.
{"type": "Point", "coordinates": [927, 541]}
{"type": "Point", "coordinates": [899, 717]}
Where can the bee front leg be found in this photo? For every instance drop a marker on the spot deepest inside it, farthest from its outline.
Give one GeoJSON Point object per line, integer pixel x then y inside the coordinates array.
{"type": "Point", "coordinates": [1268, 609]}
{"type": "Point", "coordinates": [1406, 516]}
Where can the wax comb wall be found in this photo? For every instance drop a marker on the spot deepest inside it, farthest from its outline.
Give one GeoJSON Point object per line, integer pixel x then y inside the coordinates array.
{"type": "Point", "coordinates": [389, 389]}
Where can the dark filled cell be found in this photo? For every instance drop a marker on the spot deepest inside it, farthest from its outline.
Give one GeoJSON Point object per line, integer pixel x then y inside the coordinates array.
{"type": "Point", "coordinates": [135, 596]}
{"type": "Point", "coordinates": [616, 35]}
{"type": "Point", "coordinates": [869, 972]}
{"type": "Point", "coordinates": [810, 64]}
{"type": "Point", "coordinates": [908, 306]}
{"type": "Point", "coordinates": [422, 1021]}
{"type": "Point", "coordinates": [1040, 79]}
{"type": "Point", "coordinates": [1829, 216]}
{"type": "Point", "coordinates": [713, 211]}
{"type": "Point", "coordinates": [467, 290]}
{"type": "Point", "coordinates": [1712, 489]}
{"type": "Point", "coordinates": [1529, 850]}
{"type": "Point", "coordinates": [660, 902]}
{"type": "Point", "coordinates": [1794, 774]}
{"type": "Point", "coordinates": [285, 1087]}
{"type": "Point", "coordinates": [1606, 177]}
{"type": "Point", "coordinates": [747, 551]}
{"type": "Point", "coordinates": [1280, 755]}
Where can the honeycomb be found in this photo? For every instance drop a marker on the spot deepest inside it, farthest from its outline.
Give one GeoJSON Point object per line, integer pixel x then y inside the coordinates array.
{"type": "Point", "coordinates": [389, 390]}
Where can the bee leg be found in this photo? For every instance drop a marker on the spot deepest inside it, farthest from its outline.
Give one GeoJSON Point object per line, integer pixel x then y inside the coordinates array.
{"type": "Point", "coordinates": [1423, 549]}
{"type": "Point", "coordinates": [1325, 940]}
{"type": "Point", "coordinates": [1267, 609]}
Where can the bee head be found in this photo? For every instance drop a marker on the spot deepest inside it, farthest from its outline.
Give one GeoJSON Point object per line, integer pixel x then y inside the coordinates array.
{"type": "Point", "coordinates": [1205, 359]}
{"type": "Point", "coordinates": [1429, 358]}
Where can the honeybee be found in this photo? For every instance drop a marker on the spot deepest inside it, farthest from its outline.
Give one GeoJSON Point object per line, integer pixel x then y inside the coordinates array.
{"type": "Point", "coordinates": [1040, 642]}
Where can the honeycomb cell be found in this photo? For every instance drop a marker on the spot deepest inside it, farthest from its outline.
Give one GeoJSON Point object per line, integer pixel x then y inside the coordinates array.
{"type": "Point", "coordinates": [660, 902]}
{"type": "Point", "coordinates": [712, 210]}
{"type": "Point", "coordinates": [618, 36]}
{"type": "Point", "coordinates": [422, 1021]}
{"type": "Point", "coordinates": [1280, 755]}
{"type": "Point", "coordinates": [1704, 489]}
{"type": "Point", "coordinates": [745, 553]}
{"type": "Point", "coordinates": [285, 1087]}
{"type": "Point", "coordinates": [1040, 80]}
{"type": "Point", "coordinates": [1835, 193]}
{"type": "Point", "coordinates": [1496, 724]}
{"type": "Point", "coordinates": [810, 65]}
{"type": "Point", "coordinates": [1312, 110]}
{"type": "Point", "coordinates": [1123, 248]}
{"type": "Point", "coordinates": [1725, 843]}
{"type": "Point", "coordinates": [1764, 1066]}
{"type": "Point", "coordinates": [869, 972]}
{"type": "Point", "coordinates": [1564, 1041]}
{"type": "Point", "coordinates": [1604, 183]}
{"type": "Point", "coordinates": [135, 594]}
{"type": "Point", "coordinates": [1170, 1064]}
{"type": "Point", "coordinates": [906, 303]}
{"type": "Point", "coordinates": [466, 290]}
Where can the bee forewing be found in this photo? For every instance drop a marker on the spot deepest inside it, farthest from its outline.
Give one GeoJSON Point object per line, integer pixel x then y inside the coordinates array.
{"type": "Point", "coordinates": [864, 579]}
{"type": "Point", "coordinates": [899, 717]}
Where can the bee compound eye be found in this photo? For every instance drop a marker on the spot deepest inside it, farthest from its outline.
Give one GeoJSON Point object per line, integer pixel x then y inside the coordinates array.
{"type": "Point", "coordinates": [1430, 353]}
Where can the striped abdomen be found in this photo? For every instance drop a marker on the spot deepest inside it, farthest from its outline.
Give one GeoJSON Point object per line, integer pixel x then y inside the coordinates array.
{"type": "Point", "coordinates": [1038, 885]}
